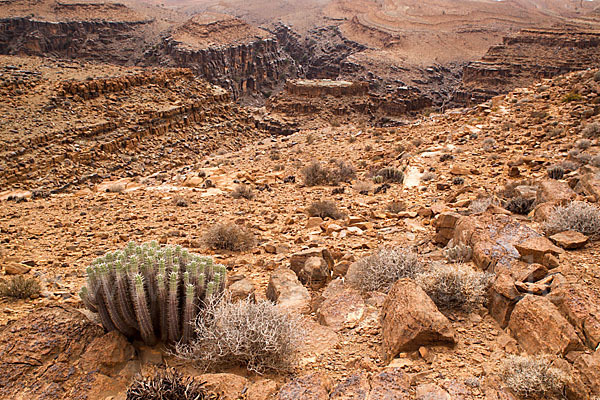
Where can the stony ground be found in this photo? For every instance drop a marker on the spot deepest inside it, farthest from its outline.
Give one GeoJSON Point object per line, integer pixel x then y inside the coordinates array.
{"type": "Point", "coordinates": [509, 139]}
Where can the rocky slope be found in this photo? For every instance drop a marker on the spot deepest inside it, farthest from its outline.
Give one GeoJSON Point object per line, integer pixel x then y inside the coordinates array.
{"type": "Point", "coordinates": [544, 298]}
{"type": "Point", "coordinates": [530, 55]}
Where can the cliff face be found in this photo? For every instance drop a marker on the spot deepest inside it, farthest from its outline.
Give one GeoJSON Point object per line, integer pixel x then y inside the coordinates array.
{"type": "Point", "coordinates": [530, 55]}
{"type": "Point", "coordinates": [116, 42]}
{"type": "Point", "coordinates": [258, 67]}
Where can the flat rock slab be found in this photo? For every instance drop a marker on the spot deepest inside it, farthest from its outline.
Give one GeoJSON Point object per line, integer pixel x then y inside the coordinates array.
{"type": "Point", "coordinates": [569, 240]}
{"type": "Point", "coordinates": [540, 328]}
{"type": "Point", "coordinates": [342, 310]}
{"type": "Point", "coordinates": [410, 319]}
{"type": "Point", "coordinates": [535, 249]}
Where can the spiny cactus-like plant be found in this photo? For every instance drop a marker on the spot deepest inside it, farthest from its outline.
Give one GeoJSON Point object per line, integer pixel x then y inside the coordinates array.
{"type": "Point", "coordinates": [556, 172]}
{"type": "Point", "coordinates": [152, 292]}
{"type": "Point", "coordinates": [390, 174]}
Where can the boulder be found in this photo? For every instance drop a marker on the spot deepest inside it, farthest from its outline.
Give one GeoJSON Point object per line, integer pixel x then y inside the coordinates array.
{"type": "Point", "coordinates": [523, 272]}
{"type": "Point", "coordinates": [108, 354]}
{"type": "Point", "coordinates": [534, 250]}
{"type": "Point", "coordinates": [393, 383]}
{"type": "Point", "coordinates": [430, 391]}
{"type": "Point", "coordinates": [286, 290]}
{"type": "Point", "coordinates": [581, 307]}
{"type": "Point", "coordinates": [355, 387]}
{"type": "Point", "coordinates": [588, 366]}
{"type": "Point", "coordinates": [341, 310]}
{"type": "Point", "coordinates": [444, 227]}
{"type": "Point", "coordinates": [493, 239]}
{"type": "Point", "coordinates": [242, 289]}
{"type": "Point", "coordinates": [590, 183]}
{"type": "Point", "coordinates": [410, 319]}
{"type": "Point", "coordinates": [569, 240]}
{"type": "Point", "coordinates": [503, 297]}
{"type": "Point", "coordinates": [14, 268]}
{"type": "Point", "coordinates": [539, 327]}
{"type": "Point", "coordinates": [554, 191]}
{"type": "Point", "coordinates": [313, 266]}
{"type": "Point", "coordinates": [308, 387]}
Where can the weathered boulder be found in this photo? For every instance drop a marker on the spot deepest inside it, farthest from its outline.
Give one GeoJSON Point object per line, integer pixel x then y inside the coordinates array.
{"type": "Point", "coordinates": [588, 366]}
{"type": "Point", "coordinates": [569, 240]}
{"type": "Point", "coordinates": [503, 297]}
{"type": "Point", "coordinates": [286, 290]}
{"type": "Point", "coordinates": [242, 289]}
{"type": "Point", "coordinates": [15, 268]}
{"type": "Point", "coordinates": [581, 307]}
{"type": "Point", "coordinates": [108, 354]}
{"type": "Point", "coordinates": [309, 387]}
{"type": "Point", "coordinates": [539, 327]}
{"type": "Point", "coordinates": [313, 266]}
{"type": "Point", "coordinates": [343, 309]}
{"type": "Point", "coordinates": [590, 183]}
{"type": "Point", "coordinates": [410, 319]}
{"type": "Point", "coordinates": [492, 238]}
{"type": "Point", "coordinates": [554, 191]}
{"type": "Point", "coordinates": [355, 387]}
{"type": "Point", "coordinates": [41, 357]}
{"type": "Point", "coordinates": [430, 391]}
{"type": "Point", "coordinates": [535, 249]}
{"type": "Point", "coordinates": [444, 227]}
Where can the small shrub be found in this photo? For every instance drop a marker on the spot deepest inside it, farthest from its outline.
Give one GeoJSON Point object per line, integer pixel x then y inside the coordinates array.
{"type": "Point", "coordinates": [488, 144]}
{"type": "Point", "coordinates": [520, 205]}
{"type": "Point", "coordinates": [455, 288]}
{"type": "Point", "coordinates": [572, 96]}
{"type": "Point", "coordinates": [380, 270]}
{"type": "Point", "coordinates": [597, 76]}
{"type": "Point", "coordinates": [363, 187]}
{"type": "Point", "coordinates": [168, 385]}
{"type": "Point", "coordinates": [459, 180]}
{"type": "Point", "coordinates": [576, 216]}
{"type": "Point", "coordinates": [310, 138]}
{"type": "Point", "coordinates": [390, 174]}
{"type": "Point", "coordinates": [446, 157]}
{"type": "Point", "coordinates": [396, 207]}
{"type": "Point", "coordinates": [116, 187]}
{"type": "Point", "coordinates": [479, 206]}
{"type": "Point", "coordinates": [569, 166]}
{"type": "Point", "coordinates": [595, 161]}
{"type": "Point", "coordinates": [532, 376]}
{"type": "Point", "coordinates": [19, 287]}
{"type": "Point", "coordinates": [180, 201]}
{"type": "Point", "coordinates": [229, 237]}
{"type": "Point", "coordinates": [460, 253]}
{"type": "Point", "coordinates": [259, 335]}
{"type": "Point", "coordinates": [324, 209]}
{"type": "Point", "coordinates": [428, 176]}
{"type": "Point", "coordinates": [556, 172]}
{"type": "Point", "coordinates": [275, 155]}
{"type": "Point", "coordinates": [317, 174]}
{"type": "Point", "coordinates": [242, 192]}
{"type": "Point", "coordinates": [591, 131]}
{"type": "Point", "coordinates": [583, 144]}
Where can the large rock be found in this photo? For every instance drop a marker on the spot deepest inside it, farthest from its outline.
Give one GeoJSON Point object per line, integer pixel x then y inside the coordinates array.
{"type": "Point", "coordinates": [554, 191]}
{"type": "Point", "coordinates": [588, 366]}
{"type": "Point", "coordinates": [15, 268]}
{"type": "Point", "coordinates": [444, 227]}
{"type": "Point", "coordinates": [431, 392]}
{"type": "Point", "coordinates": [410, 319]}
{"type": "Point", "coordinates": [286, 290]}
{"type": "Point", "coordinates": [242, 289]}
{"type": "Point", "coordinates": [343, 309]}
{"type": "Point", "coordinates": [535, 249]}
{"type": "Point", "coordinates": [308, 387]}
{"type": "Point", "coordinates": [539, 327]}
{"type": "Point", "coordinates": [493, 239]}
{"type": "Point", "coordinates": [503, 297]}
{"type": "Point", "coordinates": [569, 240]}
{"type": "Point", "coordinates": [47, 355]}
{"type": "Point", "coordinates": [313, 266]}
{"type": "Point", "coordinates": [590, 183]}
{"type": "Point", "coordinates": [581, 307]}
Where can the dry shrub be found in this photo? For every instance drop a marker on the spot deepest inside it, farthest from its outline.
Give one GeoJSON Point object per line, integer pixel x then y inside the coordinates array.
{"type": "Point", "coordinates": [242, 192]}
{"type": "Point", "coordinates": [229, 237]}
{"type": "Point", "coordinates": [583, 144]}
{"type": "Point", "coordinates": [180, 201]}
{"type": "Point", "coordinates": [168, 385]}
{"type": "Point", "coordinates": [317, 174]}
{"type": "Point", "coordinates": [455, 287]}
{"type": "Point", "coordinates": [591, 131]}
{"type": "Point", "coordinates": [259, 335]}
{"type": "Point", "coordinates": [324, 209]}
{"type": "Point", "coordinates": [576, 216]}
{"type": "Point", "coordinates": [519, 205]}
{"type": "Point", "coordinates": [116, 187]}
{"type": "Point", "coordinates": [19, 287]}
{"type": "Point", "coordinates": [532, 376]}
{"type": "Point", "coordinates": [382, 269]}
{"type": "Point", "coordinates": [458, 253]}
{"type": "Point", "coordinates": [396, 207]}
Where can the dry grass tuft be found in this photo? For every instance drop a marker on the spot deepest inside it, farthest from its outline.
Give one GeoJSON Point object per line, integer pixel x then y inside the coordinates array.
{"type": "Point", "coordinates": [19, 287]}
{"type": "Point", "coordinates": [317, 174]}
{"type": "Point", "coordinates": [242, 192]}
{"type": "Point", "coordinates": [324, 209]}
{"type": "Point", "coordinates": [532, 377]}
{"type": "Point", "coordinates": [576, 216]}
{"type": "Point", "coordinates": [382, 269]}
{"type": "Point", "coordinates": [455, 287]}
{"type": "Point", "coordinates": [229, 237]}
{"type": "Point", "coordinates": [259, 335]}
